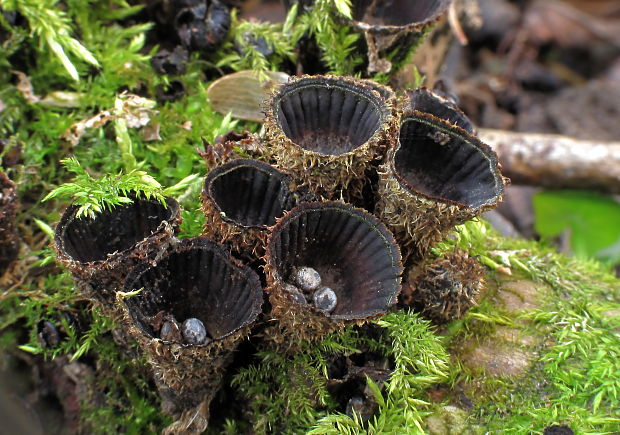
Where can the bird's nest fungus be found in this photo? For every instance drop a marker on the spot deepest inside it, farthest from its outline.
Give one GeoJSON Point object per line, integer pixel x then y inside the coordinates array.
{"type": "Point", "coordinates": [414, 163]}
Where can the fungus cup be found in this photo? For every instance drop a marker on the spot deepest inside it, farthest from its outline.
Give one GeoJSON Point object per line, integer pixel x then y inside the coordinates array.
{"type": "Point", "coordinates": [445, 288]}
{"type": "Point", "coordinates": [9, 241]}
{"type": "Point", "coordinates": [437, 176]}
{"type": "Point", "coordinates": [355, 255]}
{"type": "Point", "coordinates": [241, 199]}
{"type": "Point", "coordinates": [196, 279]}
{"type": "Point", "coordinates": [393, 28]}
{"type": "Point", "coordinates": [427, 101]}
{"type": "Point", "coordinates": [327, 130]}
{"type": "Point", "coordinates": [100, 251]}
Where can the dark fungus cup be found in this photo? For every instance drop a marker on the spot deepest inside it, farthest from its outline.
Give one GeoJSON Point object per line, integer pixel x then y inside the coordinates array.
{"type": "Point", "coordinates": [391, 29]}
{"type": "Point", "coordinates": [427, 101]}
{"type": "Point", "coordinates": [355, 256]}
{"type": "Point", "coordinates": [199, 280]}
{"type": "Point", "coordinates": [9, 241]}
{"type": "Point", "coordinates": [325, 130]}
{"type": "Point", "coordinates": [241, 200]}
{"type": "Point", "coordinates": [438, 176]}
{"type": "Point", "coordinates": [99, 252]}
{"type": "Point", "coordinates": [444, 289]}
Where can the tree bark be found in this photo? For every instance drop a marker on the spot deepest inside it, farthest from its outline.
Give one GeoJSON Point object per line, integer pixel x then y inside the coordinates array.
{"type": "Point", "coordinates": [556, 161]}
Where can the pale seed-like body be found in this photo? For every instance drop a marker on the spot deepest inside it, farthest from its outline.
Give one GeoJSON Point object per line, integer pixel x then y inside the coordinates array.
{"type": "Point", "coordinates": [325, 299]}
{"type": "Point", "coordinates": [170, 331]}
{"type": "Point", "coordinates": [307, 278]}
{"type": "Point", "coordinates": [194, 331]}
{"type": "Point", "coordinates": [296, 294]}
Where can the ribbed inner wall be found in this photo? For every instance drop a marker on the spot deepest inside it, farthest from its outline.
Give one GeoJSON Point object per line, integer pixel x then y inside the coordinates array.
{"type": "Point", "coordinates": [394, 12]}
{"type": "Point", "coordinates": [328, 119]}
{"type": "Point", "coordinates": [113, 230]}
{"type": "Point", "coordinates": [250, 196]}
{"type": "Point", "coordinates": [439, 163]}
{"type": "Point", "coordinates": [424, 101]}
{"type": "Point", "coordinates": [196, 283]}
{"type": "Point", "coordinates": [349, 253]}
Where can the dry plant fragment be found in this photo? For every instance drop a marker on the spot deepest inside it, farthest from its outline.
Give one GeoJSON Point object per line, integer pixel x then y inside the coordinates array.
{"type": "Point", "coordinates": [9, 240]}
{"type": "Point", "coordinates": [556, 161]}
{"type": "Point", "coordinates": [135, 110]}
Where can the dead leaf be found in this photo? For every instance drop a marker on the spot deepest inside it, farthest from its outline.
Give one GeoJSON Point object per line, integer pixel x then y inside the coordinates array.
{"type": "Point", "coordinates": [25, 87]}
{"type": "Point", "coordinates": [77, 130]}
{"type": "Point", "coordinates": [135, 110]}
{"type": "Point", "coordinates": [151, 132]}
{"type": "Point", "coordinates": [62, 99]}
{"type": "Point", "coordinates": [242, 93]}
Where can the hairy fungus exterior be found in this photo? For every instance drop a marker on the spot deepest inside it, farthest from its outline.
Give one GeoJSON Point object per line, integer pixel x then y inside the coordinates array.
{"type": "Point", "coordinates": [99, 252]}
{"type": "Point", "coordinates": [355, 255]}
{"type": "Point", "coordinates": [195, 279]}
{"type": "Point", "coordinates": [394, 29]}
{"type": "Point", "coordinates": [327, 130]}
{"type": "Point", "coordinates": [427, 101]}
{"type": "Point", "coordinates": [227, 147]}
{"type": "Point", "coordinates": [445, 288]}
{"type": "Point", "coordinates": [436, 177]}
{"type": "Point", "coordinates": [241, 200]}
{"type": "Point", "coordinates": [9, 241]}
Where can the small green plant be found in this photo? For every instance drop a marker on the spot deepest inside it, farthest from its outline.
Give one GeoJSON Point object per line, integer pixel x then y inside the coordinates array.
{"type": "Point", "coordinates": [52, 27]}
{"type": "Point", "coordinates": [247, 35]}
{"type": "Point", "coordinates": [336, 41]}
{"type": "Point", "coordinates": [93, 195]}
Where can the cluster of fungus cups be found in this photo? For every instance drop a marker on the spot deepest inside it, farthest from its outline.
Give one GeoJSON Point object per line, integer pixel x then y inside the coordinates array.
{"type": "Point", "coordinates": [219, 298]}
{"type": "Point", "coordinates": [9, 241]}
{"type": "Point", "coordinates": [327, 264]}
{"type": "Point", "coordinates": [326, 131]}
{"type": "Point", "coordinates": [99, 252]}
{"type": "Point", "coordinates": [343, 257]}
{"type": "Point", "coordinates": [438, 175]}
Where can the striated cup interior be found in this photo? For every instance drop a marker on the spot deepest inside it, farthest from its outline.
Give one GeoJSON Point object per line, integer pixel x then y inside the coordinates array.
{"type": "Point", "coordinates": [328, 115]}
{"type": "Point", "coordinates": [396, 12]}
{"type": "Point", "coordinates": [424, 100]}
{"type": "Point", "coordinates": [354, 253]}
{"type": "Point", "coordinates": [199, 280]}
{"type": "Point", "coordinates": [446, 163]}
{"type": "Point", "coordinates": [248, 193]}
{"type": "Point", "coordinates": [86, 239]}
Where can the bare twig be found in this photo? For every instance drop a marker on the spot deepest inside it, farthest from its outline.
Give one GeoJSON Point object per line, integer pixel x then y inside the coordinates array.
{"type": "Point", "coordinates": [556, 161]}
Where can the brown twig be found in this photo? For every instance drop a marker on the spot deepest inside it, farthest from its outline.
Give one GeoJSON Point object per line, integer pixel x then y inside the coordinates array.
{"type": "Point", "coordinates": [556, 161]}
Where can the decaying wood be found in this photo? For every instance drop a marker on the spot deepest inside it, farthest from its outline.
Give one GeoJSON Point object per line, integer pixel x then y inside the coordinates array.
{"type": "Point", "coordinates": [556, 161]}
